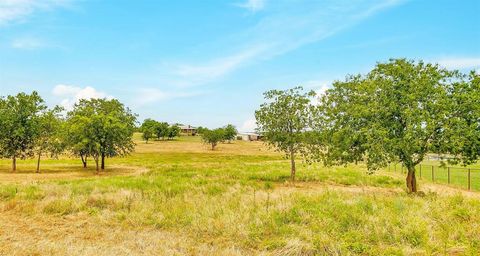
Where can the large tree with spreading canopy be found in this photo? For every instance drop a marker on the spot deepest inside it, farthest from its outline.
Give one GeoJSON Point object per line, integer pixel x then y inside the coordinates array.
{"type": "Point", "coordinates": [399, 111]}
{"type": "Point", "coordinates": [101, 128]}
{"type": "Point", "coordinates": [19, 125]}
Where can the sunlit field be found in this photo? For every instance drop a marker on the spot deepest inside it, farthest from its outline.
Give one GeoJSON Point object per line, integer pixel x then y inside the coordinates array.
{"type": "Point", "coordinates": [180, 198]}
{"type": "Point", "coordinates": [443, 173]}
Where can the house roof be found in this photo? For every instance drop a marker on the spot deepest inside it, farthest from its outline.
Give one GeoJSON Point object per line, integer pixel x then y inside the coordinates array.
{"type": "Point", "coordinates": [187, 127]}
{"type": "Point", "coordinates": [249, 133]}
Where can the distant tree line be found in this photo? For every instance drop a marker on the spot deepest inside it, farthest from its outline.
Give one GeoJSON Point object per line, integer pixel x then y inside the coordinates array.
{"type": "Point", "coordinates": [95, 128]}
{"type": "Point", "coordinates": [160, 130]}
{"type": "Point", "coordinates": [398, 112]}
{"type": "Point", "coordinates": [152, 129]}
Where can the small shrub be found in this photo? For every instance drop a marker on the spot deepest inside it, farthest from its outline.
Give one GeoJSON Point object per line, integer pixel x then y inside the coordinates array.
{"type": "Point", "coordinates": [7, 192]}
{"type": "Point", "coordinates": [215, 190]}
{"type": "Point", "coordinates": [268, 185]}
{"type": "Point", "coordinates": [60, 207]}
{"type": "Point", "coordinates": [33, 193]}
{"type": "Point", "coordinates": [461, 214]}
{"type": "Point", "coordinates": [415, 235]}
{"type": "Point", "coordinates": [97, 202]}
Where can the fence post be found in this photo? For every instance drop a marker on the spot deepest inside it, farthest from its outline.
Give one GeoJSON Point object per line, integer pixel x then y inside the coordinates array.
{"type": "Point", "coordinates": [468, 178]}
{"type": "Point", "coordinates": [420, 171]}
{"type": "Point", "coordinates": [433, 175]}
{"type": "Point", "coordinates": [448, 169]}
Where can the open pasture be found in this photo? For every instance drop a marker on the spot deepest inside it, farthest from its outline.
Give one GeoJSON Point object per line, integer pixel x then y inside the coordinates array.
{"type": "Point", "coordinates": [180, 198]}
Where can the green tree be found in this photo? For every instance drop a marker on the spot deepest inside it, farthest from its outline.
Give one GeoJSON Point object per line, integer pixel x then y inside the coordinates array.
{"type": "Point", "coordinates": [173, 131]}
{"type": "Point", "coordinates": [148, 129]}
{"type": "Point", "coordinates": [201, 129]}
{"type": "Point", "coordinates": [283, 121]}
{"type": "Point", "coordinates": [397, 112]}
{"type": "Point", "coordinates": [230, 132]}
{"type": "Point", "coordinates": [101, 128]}
{"type": "Point", "coordinates": [81, 137]}
{"type": "Point", "coordinates": [161, 130]}
{"type": "Point", "coordinates": [50, 134]}
{"type": "Point", "coordinates": [213, 137]}
{"type": "Point", "coordinates": [19, 124]}
{"type": "Point", "coordinates": [462, 132]}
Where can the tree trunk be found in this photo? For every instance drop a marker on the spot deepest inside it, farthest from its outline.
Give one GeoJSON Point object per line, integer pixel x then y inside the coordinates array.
{"type": "Point", "coordinates": [293, 169]}
{"type": "Point", "coordinates": [103, 161]}
{"type": "Point", "coordinates": [96, 163]}
{"type": "Point", "coordinates": [84, 161]}
{"type": "Point", "coordinates": [14, 163]}
{"type": "Point", "coordinates": [38, 161]}
{"type": "Point", "coordinates": [411, 180]}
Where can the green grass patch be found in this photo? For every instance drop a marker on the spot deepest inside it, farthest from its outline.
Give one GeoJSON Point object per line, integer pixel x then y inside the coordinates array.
{"type": "Point", "coordinates": [244, 200]}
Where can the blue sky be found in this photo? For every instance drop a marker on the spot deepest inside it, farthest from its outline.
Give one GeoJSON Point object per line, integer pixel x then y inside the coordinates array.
{"type": "Point", "coordinates": [207, 62]}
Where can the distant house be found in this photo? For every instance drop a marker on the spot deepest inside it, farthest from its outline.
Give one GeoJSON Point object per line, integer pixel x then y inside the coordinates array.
{"type": "Point", "coordinates": [249, 136]}
{"type": "Point", "coordinates": [188, 130]}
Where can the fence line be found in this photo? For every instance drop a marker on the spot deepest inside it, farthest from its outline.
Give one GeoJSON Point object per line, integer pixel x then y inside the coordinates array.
{"type": "Point", "coordinates": [463, 176]}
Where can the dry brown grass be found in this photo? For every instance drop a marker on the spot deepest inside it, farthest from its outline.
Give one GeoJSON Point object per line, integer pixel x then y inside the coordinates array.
{"type": "Point", "coordinates": [194, 145]}
{"type": "Point", "coordinates": [82, 235]}
{"type": "Point", "coordinates": [440, 189]}
{"type": "Point", "coordinates": [52, 173]}
{"type": "Point", "coordinates": [230, 201]}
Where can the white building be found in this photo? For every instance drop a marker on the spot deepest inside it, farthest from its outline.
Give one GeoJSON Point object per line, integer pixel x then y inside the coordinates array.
{"type": "Point", "coordinates": [249, 136]}
{"type": "Point", "coordinates": [188, 129]}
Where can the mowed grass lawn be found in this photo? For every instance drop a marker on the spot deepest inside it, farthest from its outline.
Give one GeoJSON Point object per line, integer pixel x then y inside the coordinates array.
{"type": "Point", "coordinates": [180, 198]}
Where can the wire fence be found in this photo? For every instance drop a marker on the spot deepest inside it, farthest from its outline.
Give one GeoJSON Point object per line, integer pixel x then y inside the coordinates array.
{"type": "Point", "coordinates": [464, 177]}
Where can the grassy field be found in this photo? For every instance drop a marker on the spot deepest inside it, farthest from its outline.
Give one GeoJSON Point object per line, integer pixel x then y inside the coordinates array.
{"type": "Point", "coordinates": [179, 198]}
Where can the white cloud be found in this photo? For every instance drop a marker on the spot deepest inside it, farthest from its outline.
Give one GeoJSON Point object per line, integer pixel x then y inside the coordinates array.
{"type": "Point", "coordinates": [28, 43]}
{"type": "Point", "coordinates": [147, 96]}
{"type": "Point", "coordinates": [249, 125]}
{"type": "Point", "coordinates": [72, 94]}
{"type": "Point", "coordinates": [288, 26]}
{"type": "Point", "coordinates": [14, 10]}
{"type": "Point", "coordinates": [200, 74]}
{"type": "Point", "coordinates": [319, 86]}
{"type": "Point", "coordinates": [253, 5]}
{"type": "Point", "coordinates": [459, 62]}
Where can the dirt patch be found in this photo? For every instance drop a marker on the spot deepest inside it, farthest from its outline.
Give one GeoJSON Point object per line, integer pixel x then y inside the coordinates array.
{"type": "Point", "coordinates": [69, 174]}
{"type": "Point", "coordinates": [448, 190]}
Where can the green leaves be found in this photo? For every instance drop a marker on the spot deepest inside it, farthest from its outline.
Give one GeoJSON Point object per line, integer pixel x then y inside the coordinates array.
{"type": "Point", "coordinates": [173, 131]}
{"type": "Point", "coordinates": [213, 137]}
{"type": "Point", "coordinates": [162, 130]}
{"type": "Point", "coordinates": [148, 129]}
{"type": "Point", "coordinates": [284, 119]}
{"type": "Point", "coordinates": [462, 133]}
{"type": "Point", "coordinates": [20, 124]}
{"type": "Point", "coordinates": [401, 110]}
{"type": "Point", "coordinates": [101, 127]}
{"type": "Point", "coordinates": [151, 128]}
{"type": "Point", "coordinates": [51, 133]}
{"type": "Point", "coordinates": [230, 132]}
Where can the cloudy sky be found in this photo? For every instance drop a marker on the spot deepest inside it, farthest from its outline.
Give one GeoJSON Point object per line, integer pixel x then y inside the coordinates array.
{"type": "Point", "coordinates": [208, 62]}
